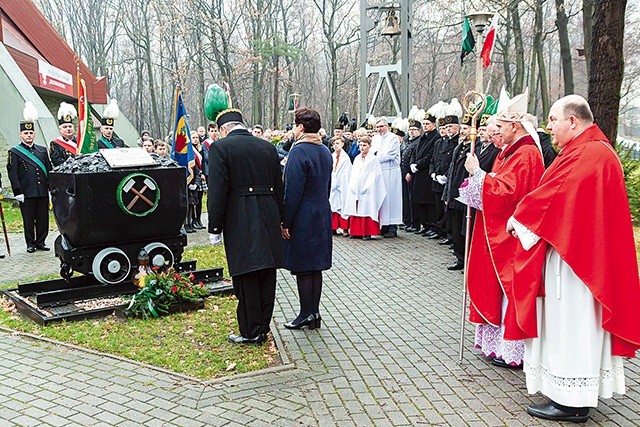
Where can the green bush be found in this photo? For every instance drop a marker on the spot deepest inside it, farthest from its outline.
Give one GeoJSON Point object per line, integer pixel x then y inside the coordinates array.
{"type": "Point", "coordinates": [631, 169]}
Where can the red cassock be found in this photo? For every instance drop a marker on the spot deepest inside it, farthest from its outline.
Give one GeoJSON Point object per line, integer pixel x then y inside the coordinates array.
{"type": "Point", "coordinates": [518, 169]}
{"type": "Point", "coordinates": [581, 209]}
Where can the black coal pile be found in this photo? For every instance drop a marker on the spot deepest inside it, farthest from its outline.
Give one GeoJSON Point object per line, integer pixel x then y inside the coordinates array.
{"type": "Point", "coordinates": [95, 162]}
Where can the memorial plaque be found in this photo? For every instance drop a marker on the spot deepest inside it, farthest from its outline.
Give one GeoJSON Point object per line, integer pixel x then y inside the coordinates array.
{"type": "Point", "coordinates": [127, 157]}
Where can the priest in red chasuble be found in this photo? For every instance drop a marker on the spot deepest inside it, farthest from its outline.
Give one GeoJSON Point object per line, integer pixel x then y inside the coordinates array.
{"type": "Point", "coordinates": [576, 287]}
{"type": "Point", "coordinates": [516, 171]}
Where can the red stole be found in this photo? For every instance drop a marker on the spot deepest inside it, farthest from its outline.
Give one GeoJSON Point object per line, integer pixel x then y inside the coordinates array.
{"type": "Point", "coordinates": [516, 171]}
{"type": "Point", "coordinates": [581, 209]}
{"type": "Point", "coordinates": [64, 144]}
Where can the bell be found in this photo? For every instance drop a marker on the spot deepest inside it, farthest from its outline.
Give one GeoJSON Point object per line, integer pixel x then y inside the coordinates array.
{"type": "Point", "coordinates": [391, 27]}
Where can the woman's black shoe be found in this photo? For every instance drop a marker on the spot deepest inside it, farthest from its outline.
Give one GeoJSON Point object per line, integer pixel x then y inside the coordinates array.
{"type": "Point", "coordinates": [309, 322]}
{"type": "Point", "coordinates": [318, 320]}
{"type": "Point", "coordinates": [197, 224]}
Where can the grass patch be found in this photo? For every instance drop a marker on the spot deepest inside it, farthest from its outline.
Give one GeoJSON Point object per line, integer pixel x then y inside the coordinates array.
{"type": "Point", "coordinates": [192, 343]}
{"type": "Point", "coordinates": [13, 218]}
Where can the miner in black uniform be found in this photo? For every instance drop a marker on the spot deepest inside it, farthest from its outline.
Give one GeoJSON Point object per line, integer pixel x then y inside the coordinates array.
{"type": "Point", "coordinates": [109, 116]}
{"type": "Point", "coordinates": [423, 199]}
{"type": "Point", "coordinates": [245, 203]}
{"type": "Point", "coordinates": [455, 176]}
{"type": "Point", "coordinates": [438, 168]}
{"type": "Point", "coordinates": [486, 152]}
{"type": "Point", "coordinates": [65, 145]}
{"type": "Point", "coordinates": [28, 166]}
{"type": "Point", "coordinates": [406, 152]}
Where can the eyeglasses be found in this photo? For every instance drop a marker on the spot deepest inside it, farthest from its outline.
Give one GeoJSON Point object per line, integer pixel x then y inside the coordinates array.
{"type": "Point", "coordinates": [381, 126]}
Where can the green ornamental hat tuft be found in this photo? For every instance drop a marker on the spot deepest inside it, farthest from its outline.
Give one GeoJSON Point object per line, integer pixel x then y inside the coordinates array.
{"type": "Point", "coordinates": [215, 101]}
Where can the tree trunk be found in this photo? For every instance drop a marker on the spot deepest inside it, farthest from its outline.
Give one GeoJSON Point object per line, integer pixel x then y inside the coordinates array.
{"type": "Point", "coordinates": [518, 82]}
{"type": "Point", "coordinates": [607, 65]}
{"type": "Point", "coordinates": [565, 47]}
{"type": "Point", "coordinates": [587, 29]}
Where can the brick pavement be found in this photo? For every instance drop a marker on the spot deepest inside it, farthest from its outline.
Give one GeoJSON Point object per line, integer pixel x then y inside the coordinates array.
{"type": "Point", "coordinates": [386, 355]}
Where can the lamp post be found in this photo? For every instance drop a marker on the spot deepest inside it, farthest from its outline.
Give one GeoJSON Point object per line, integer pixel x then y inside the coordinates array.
{"type": "Point", "coordinates": [480, 19]}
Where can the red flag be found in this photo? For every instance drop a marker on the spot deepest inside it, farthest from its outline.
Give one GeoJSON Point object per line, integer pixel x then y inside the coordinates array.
{"type": "Point", "coordinates": [489, 42]}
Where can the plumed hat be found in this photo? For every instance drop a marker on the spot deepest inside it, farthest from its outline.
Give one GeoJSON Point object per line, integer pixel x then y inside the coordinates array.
{"type": "Point", "coordinates": [66, 113]}
{"type": "Point", "coordinates": [215, 101]}
{"type": "Point", "coordinates": [454, 112]}
{"type": "Point", "coordinates": [416, 116]}
{"type": "Point", "coordinates": [110, 113]}
{"type": "Point", "coordinates": [30, 115]}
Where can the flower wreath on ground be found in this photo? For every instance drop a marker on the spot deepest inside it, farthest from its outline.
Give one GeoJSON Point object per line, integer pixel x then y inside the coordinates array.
{"type": "Point", "coordinates": [161, 289]}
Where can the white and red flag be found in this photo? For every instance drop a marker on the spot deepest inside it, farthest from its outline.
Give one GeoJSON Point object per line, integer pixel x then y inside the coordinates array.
{"type": "Point", "coordinates": [489, 42]}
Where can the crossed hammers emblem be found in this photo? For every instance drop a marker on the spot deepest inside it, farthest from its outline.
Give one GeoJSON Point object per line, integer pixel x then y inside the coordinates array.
{"type": "Point", "coordinates": [139, 194]}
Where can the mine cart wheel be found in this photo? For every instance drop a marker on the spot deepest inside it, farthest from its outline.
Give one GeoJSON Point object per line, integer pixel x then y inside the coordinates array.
{"type": "Point", "coordinates": [159, 255]}
{"type": "Point", "coordinates": [111, 266]}
{"type": "Point", "coordinates": [65, 271]}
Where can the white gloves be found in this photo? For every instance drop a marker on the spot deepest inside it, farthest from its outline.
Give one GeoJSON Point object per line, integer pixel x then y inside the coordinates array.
{"type": "Point", "coordinates": [20, 198]}
{"type": "Point", "coordinates": [192, 186]}
{"type": "Point", "coordinates": [433, 176]}
{"type": "Point", "coordinates": [413, 167]}
{"type": "Point", "coordinates": [441, 179]}
{"type": "Point", "coordinates": [215, 239]}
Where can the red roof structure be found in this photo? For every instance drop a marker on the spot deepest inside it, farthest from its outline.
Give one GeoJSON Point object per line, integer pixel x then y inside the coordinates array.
{"type": "Point", "coordinates": [41, 52]}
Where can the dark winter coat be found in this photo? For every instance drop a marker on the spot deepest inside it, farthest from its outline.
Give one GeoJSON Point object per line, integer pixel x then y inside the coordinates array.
{"type": "Point", "coordinates": [421, 191]}
{"type": "Point", "coordinates": [307, 213]}
{"type": "Point", "coordinates": [441, 160]}
{"type": "Point", "coordinates": [245, 199]}
{"type": "Point", "coordinates": [549, 153]}
{"type": "Point", "coordinates": [58, 153]}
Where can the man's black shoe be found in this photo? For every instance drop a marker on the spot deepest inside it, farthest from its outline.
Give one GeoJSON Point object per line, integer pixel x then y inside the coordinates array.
{"type": "Point", "coordinates": [446, 241]}
{"type": "Point", "coordinates": [496, 361]}
{"type": "Point", "coordinates": [434, 237]}
{"type": "Point", "coordinates": [31, 249]}
{"type": "Point", "coordinates": [1, 256]}
{"type": "Point", "coordinates": [430, 234]}
{"type": "Point", "coordinates": [43, 248]}
{"type": "Point", "coordinates": [410, 229]}
{"type": "Point", "coordinates": [239, 339]}
{"type": "Point", "coordinates": [390, 234]}
{"type": "Point", "coordinates": [456, 266]}
{"type": "Point", "coordinates": [556, 412]}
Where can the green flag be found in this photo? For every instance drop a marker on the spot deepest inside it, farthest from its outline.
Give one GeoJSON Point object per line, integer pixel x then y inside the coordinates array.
{"type": "Point", "coordinates": [86, 136]}
{"type": "Point", "coordinates": [468, 42]}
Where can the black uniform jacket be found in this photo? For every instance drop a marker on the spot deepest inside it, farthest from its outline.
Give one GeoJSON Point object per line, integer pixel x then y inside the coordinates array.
{"type": "Point", "coordinates": [457, 173]}
{"type": "Point", "coordinates": [441, 160]}
{"type": "Point", "coordinates": [26, 177]}
{"type": "Point", "coordinates": [58, 153]}
{"type": "Point", "coordinates": [115, 141]}
{"type": "Point", "coordinates": [245, 201]}
{"type": "Point", "coordinates": [487, 156]}
{"type": "Point", "coordinates": [421, 191]}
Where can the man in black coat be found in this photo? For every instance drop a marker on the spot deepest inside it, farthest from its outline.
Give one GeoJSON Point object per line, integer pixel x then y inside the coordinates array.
{"type": "Point", "coordinates": [65, 145]}
{"type": "Point", "coordinates": [423, 199]}
{"type": "Point", "coordinates": [455, 209]}
{"type": "Point", "coordinates": [406, 150]}
{"type": "Point", "coordinates": [440, 162]}
{"type": "Point", "coordinates": [108, 139]}
{"type": "Point", "coordinates": [28, 166]}
{"type": "Point", "coordinates": [245, 202]}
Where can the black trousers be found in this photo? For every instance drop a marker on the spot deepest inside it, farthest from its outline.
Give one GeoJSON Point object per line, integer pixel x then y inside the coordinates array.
{"type": "Point", "coordinates": [256, 293]}
{"type": "Point", "coordinates": [424, 215]}
{"type": "Point", "coordinates": [456, 218]}
{"type": "Point", "coordinates": [438, 215]}
{"type": "Point", "coordinates": [407, 211]}
{"type": "Point", "coordinates": [35, 219]}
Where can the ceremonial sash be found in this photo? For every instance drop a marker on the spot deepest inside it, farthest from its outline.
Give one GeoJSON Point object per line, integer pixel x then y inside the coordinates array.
{"type": "Point", "coordinates": [207, 143]}
{"type": "Point", "coordinates": [66, 145]}
{"type": "Point", "coordinates": [198, 157]}
{"type": "Point", "coordinates": [30, 157]}
{"type": "Point", "coordinates": [107, 143]}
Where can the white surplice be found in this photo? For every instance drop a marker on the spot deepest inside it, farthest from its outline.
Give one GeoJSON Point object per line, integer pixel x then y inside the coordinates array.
{"type": "Point", "coordinates": [339, 182]}
{"type": "Point", "coordinates": [387, 149]}
{"type": "Point", "coordinates": [570, 362]}
{"type": "Point", "coordinates": [366, 188]}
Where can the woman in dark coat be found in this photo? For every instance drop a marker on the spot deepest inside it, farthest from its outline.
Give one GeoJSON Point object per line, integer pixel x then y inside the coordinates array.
{"type": "Point", "coordinates": [306, 225]}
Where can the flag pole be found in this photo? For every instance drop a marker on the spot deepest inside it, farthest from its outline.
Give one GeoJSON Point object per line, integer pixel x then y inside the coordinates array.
{"type": "Point", "coordinates": [474, 102]}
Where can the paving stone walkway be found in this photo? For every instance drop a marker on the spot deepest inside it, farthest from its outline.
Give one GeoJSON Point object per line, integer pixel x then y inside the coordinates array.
{"type": "Point", "coordinates": [386, 355]}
